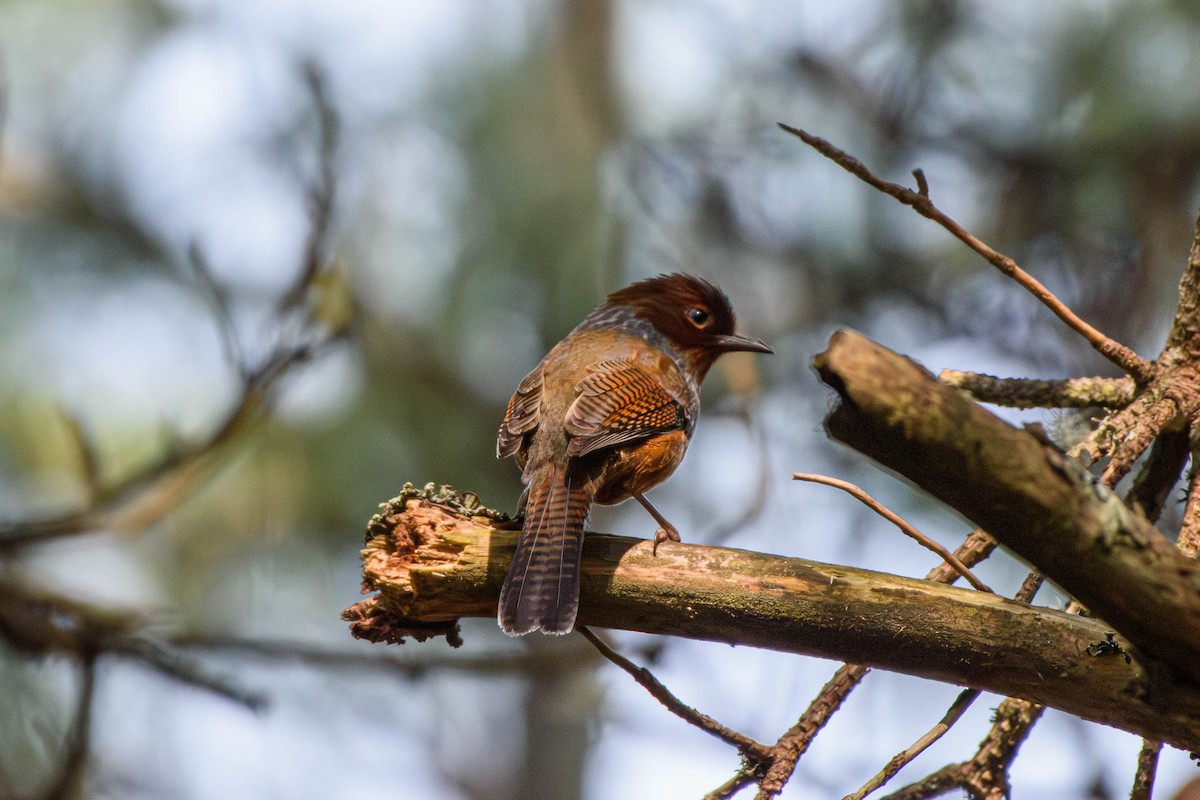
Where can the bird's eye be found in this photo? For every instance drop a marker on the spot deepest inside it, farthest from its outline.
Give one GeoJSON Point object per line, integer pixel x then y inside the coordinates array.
{"type": "Point", "coordinates": [699, 317]}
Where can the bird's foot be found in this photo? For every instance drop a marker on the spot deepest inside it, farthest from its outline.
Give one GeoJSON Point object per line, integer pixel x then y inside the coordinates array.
{"type": "Point", "coordinates": [664, 534]}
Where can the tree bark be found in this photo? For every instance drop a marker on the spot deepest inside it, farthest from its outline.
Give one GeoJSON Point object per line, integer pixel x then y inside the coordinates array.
{"type": "Point", "coordinates": [432, 563]}
{"type": "Point", "coordinates": [1022, 489]}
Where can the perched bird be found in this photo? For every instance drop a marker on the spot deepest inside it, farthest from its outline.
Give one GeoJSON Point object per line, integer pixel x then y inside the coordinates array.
{"type": "Point", "coordinates": [605, 416]}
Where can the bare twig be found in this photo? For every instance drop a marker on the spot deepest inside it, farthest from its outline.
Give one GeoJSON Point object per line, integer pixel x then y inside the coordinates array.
{"type": "Point", "coordinates": [321, 194]}
{"type": "Point", "coordinates": [858, 494]}
{"type": "Point", "coordinates": [959, 707]}
{"type": "Point", "coordinates": [796, 741]}
{"type": "Point", "coordinates": [89, 463]}
{"type": "Point", "coordinates": [985, 776]}
{"type": "Point", "coordinates": [749, 748]}
{"type": "Point", "coordinates": [1140, 369]}
{"type": "Point", "coordinates": [70, 773]}
{"type": "Point", "coordinates": [42, 622]}
{"type": "Point", "coordinates": [1147, 765]}
{"type": "Point", "coordinates": [922, 182]}
{"type": "Point", "coordinates": [740, 780]}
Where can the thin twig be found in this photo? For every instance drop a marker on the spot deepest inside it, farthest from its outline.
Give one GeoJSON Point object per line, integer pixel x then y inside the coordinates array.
{"type": "Point", "coordinates": [858, 494]}
{"type": "Point", "coordinates": [171, 664]}
{"type": "Point", "coordinates": [89, 462]}
{"type": "Point", "coordinates": [740, 780]}
{"type": "Point", "coordinates": [42, 622]}
{"type": "Point", "coordinates": [796, 741]}
{"type": "Point", "coordinates": [322, 191]}
{"type": "Point", "coordinates": [219, 302]}
{"type": "Point", "coordinates": [922, 182]}
{"type": "Point", "coordinates": [561, 659]}
{"type": "Point", "coordinates": [70, 773]}
{"type": "Point", "coordinates": [1147, 766]}
{"type": "Point", "coordinates": [959, 707]}
{"type": "Point", "coordinates": [1140, 369]}
{"type": "Point", "coordinates": [748, 747]}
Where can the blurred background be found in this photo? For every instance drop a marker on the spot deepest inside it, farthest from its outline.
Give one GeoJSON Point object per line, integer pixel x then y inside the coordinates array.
{"type": "Point", "coordinates": [263, 262]}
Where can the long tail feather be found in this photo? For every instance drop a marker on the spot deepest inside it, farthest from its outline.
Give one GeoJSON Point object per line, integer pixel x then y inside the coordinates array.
{"type": "Point", "coordinates": [541, 591]}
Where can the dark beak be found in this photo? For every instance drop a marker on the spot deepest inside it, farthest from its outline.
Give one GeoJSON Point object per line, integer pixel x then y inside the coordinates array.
{"type": "Point", "coordinates": [729, 344]}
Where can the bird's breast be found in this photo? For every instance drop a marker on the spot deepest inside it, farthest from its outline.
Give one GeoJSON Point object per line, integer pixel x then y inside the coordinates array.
{"type": "Point", "coordinates": [635, 469]}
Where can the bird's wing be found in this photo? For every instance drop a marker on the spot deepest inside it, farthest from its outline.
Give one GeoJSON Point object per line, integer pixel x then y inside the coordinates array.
{"type": "Point", "coordinates": [522, 416]}
{"type": "Point", "coordinates": [619, 402]}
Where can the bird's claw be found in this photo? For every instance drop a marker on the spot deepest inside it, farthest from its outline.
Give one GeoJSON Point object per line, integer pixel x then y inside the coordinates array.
{"type": "Point", "coordinates": [664, 534]}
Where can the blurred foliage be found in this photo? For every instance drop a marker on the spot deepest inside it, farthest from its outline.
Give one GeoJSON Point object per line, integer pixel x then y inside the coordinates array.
{"type": "Point", "coordinates": [500, 167]}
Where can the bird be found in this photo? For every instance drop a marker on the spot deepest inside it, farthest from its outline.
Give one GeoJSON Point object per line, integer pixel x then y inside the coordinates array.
{"type": "Point", "coordinates": [606, 415]}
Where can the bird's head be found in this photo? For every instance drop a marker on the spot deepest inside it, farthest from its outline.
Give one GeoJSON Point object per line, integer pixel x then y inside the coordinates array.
{"type": "Point", "coordinates": [693, 314]}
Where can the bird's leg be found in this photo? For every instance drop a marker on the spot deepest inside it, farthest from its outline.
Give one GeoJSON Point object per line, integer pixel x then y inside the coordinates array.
{"type": "Point", "coordinates": [666, 530]}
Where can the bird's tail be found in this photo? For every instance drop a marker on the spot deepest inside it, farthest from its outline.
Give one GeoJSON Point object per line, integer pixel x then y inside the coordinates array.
{"type": "Point", "coordinates": [541, 591]}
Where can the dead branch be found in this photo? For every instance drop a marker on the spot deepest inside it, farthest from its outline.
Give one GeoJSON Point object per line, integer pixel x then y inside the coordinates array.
{"type": "Point", "coordinates": [870, 502]}
{"type": "Point", "coordinates": [432, 564]}
{"type": "Point", "coordinates": [1136, 367]}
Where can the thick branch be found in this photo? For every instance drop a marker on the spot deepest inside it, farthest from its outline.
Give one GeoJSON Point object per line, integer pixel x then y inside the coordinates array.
{"type": "Point", "coordinates": [432, 565]}
{"type": "Point", "coordinates": [1022, 490]}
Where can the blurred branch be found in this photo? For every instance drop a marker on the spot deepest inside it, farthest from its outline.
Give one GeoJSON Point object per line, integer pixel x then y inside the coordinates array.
{"type": "Point", "coordinates": [69, 778]}
{"type": "Point", "coordinates": [4, 92]}
{"type": "Point", "coordinates": [147, 495]}
{"type": "Point", "coordinates": [142, 498]}
{"type": "Point", "coordinates": [432, 564]}
{"type": "Point", "coordinates": [320, 194]}
{"type": "Point", "coordinates": [40, 623]}
{"type": "Point", "coordinates": [920, 202]}
{"type": "Point", "coordinates": [561, 659]}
